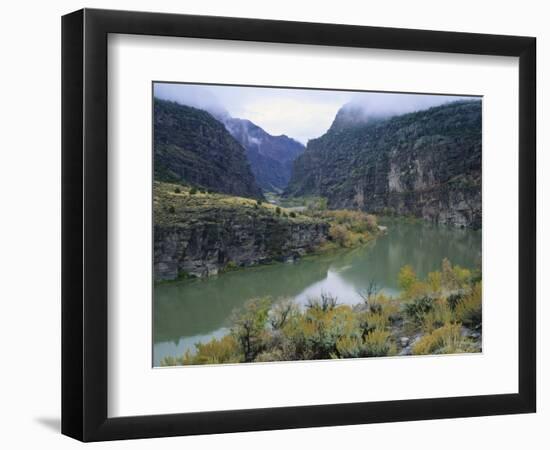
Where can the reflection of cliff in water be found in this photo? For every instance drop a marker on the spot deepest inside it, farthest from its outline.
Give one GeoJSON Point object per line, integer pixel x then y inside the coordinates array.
{"type": "Point", "coordinates": [195, 310]}
{"type": "Point", "coordinates": [420, 245]}
{"type": "Point", "coordinates": [200, 306]}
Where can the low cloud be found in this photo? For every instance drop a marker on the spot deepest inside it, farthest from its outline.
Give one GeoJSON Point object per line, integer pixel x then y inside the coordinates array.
{"type": "Point", "coordinates": [194, 95]}
{"type": "Point", "coordinates": [382, 104]}
{"type": "Point", "coordinates": [302, 114]}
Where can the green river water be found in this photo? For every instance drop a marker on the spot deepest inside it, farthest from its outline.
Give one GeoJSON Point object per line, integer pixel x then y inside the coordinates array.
{"type": "Point", "coordinates": [196, 310]}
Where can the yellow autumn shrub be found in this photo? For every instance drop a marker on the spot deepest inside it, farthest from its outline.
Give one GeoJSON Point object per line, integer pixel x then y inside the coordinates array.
{"type": "Point", "coordinates": [216, 351]}
{"type": "Point", "coordinates": [446, 339]}
{"type": "Point", "coordinates": [468, 310]}
{"type": "Point", "coordinates": [377, 343]}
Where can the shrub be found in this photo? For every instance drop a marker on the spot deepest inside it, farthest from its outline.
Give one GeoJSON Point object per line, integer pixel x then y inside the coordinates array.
{"type": "Point", "coordinates": [271, 355]}
{"type": "Point", "coordinates": [321, 329]}
{"type": "Point", "coordinates": [418, 289]}
{"type": "Point", "coordinates": [326, 302]}
{"type": "Point", "coordinates": [417, 309]}
{"type": "Point", "coordinates": [338, 234]}
{"type": "Point", "coordinates": [292, 338]}
{"type": "Point", "coordinates": [349, 347]}
{"type": "Point", "coordinates": [193, 191]}
{"type": "Point", "coordinates": [406, 277]}
{"type": "Point", "coordinates": [258, 202]}
{"type": "Point", "coordinates": [370, 321]}
{"type": "Point", "coordinates": [344, 237]}
{"type": "Point", "coordinates": [256, 206]}
{"type": "Point", "coordinates": [282, 312]}
{"type": "Point", "coordinates": [248, 327]}
{"type": "Point", "coordinates": [381, 312]}
{"type": "Point", "coordinates": [434, 281]}
{"type": "Point", "coordinates": [439, 315]}
{"type": "Point", "coordinates": [462, 275]}
{"type": "Point", "coordinates": [322, 203]}
{"type": "Point", "coordinates": [348, 228]}
{"type": "Point", "coordinates": [230, 265]}
{"type": "Point", "coordinates": [224, 350]}
{"type": "Point", "coordinates": [476, 276]}
{"type": "Point", "coordinates": [377, 343]}
{"type": "Point", "coordinates": [446, 339]}
{"type": "Point", "coordinates": [369, 294]}
{"type": "Point", "coordinates": [389, 306]}
{"type": "Point", "coordinates": [177, 190]}
{"type": "Point", "coordinates": [454, 299]}
{"type": "Point", "coordinates": [292, 214]}
{"type": "Point", "coordinates": [468, 310]}
{"type": "Point", "coordinates": [171, 209]}
{"type": "Point", "coordinates": [448, 276]}
{"type": "Point", "coordinates": [278, 211]}
{"type": "Point", "coordinates": [372, 222]}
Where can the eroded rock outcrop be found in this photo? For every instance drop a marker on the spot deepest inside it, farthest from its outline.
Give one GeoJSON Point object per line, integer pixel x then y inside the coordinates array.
{"type": "Point", "coordinates": [202, 234]}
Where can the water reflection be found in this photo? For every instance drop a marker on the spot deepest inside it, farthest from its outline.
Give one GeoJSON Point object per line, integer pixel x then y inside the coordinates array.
{"type": "Point", "coordinates": [197, 310]}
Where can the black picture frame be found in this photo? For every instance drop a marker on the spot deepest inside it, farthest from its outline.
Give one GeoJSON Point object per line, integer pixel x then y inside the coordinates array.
{"type": "Point", "coordinates": [84, 224]}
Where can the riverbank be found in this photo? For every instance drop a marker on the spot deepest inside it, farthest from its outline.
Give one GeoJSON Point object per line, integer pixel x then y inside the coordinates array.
{"type": "Point", "coordinates": [200, 233]}
{"type": "Point", "coordinates": [439, 314]}
{"type": "Point", "coordinates": [196, 310]}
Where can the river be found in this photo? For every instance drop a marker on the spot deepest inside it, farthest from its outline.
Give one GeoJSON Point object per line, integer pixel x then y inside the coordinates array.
{"type": "Point", "coordinates": [196, 310]}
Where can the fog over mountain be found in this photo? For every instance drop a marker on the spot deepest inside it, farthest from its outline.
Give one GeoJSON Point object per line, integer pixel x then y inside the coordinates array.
{"type": "Point", "coordinates": [270, 157]}
{"type": "Point", "coordinates": [364, 107]}
{"type": "Point", "coordinates": [302, 114]}
{"type": "Point", "coordinates": [197, 96]}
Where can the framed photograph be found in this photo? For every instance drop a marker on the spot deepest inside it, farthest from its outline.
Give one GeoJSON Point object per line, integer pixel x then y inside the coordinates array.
{"type": "Point", "coordinates": [273, 224]}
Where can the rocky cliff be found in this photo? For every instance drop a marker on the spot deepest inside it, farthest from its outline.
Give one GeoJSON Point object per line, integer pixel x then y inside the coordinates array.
{"type": "Point", "coordinates": [426, 164]}
{"type": "Point", "coordinates": [202, 234]}
{"type": "Point", "coordinates": [270, 157]}
{"type": "Point", "coordinates": [192, 147]}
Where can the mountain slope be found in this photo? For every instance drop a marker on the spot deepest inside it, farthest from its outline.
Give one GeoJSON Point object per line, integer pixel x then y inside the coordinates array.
{"type": "Point", "coordinates": [427, 164]}
{"type": "Point", "coordinates": [270, 157]}
{"type": "Point", "coordinates": [192, 147]}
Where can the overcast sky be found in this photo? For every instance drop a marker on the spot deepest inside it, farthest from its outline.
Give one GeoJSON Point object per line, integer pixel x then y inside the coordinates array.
{"type": "Point", "coordinates": [302, 114]}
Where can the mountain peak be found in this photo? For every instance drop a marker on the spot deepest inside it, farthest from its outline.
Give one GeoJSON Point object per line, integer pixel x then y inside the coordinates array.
{"type": "Point", "coordinates": [354, 114]}
{"type": "Point", "coordinates": [378, 106]}
{"type": "Point", "coordinates": [270, 157]}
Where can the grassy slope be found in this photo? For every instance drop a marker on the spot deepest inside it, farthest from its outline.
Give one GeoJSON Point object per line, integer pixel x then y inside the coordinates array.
{"type": "Point", "coordinates": [183, 208]}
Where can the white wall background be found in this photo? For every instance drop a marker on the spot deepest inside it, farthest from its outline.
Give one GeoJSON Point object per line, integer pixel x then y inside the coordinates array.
{"type": "Point", "coordinates": [30, 221]}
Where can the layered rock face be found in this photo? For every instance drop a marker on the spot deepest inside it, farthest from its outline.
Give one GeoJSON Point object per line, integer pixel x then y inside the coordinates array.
{"type": "Point", "coordinates": [202, 234]}
{"type": "Point", "coordinates": [426, 164]}
{"type": "Point", "coordinates": [207, 249]}
{"type": "Point", "coordinates": [192, 147]}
